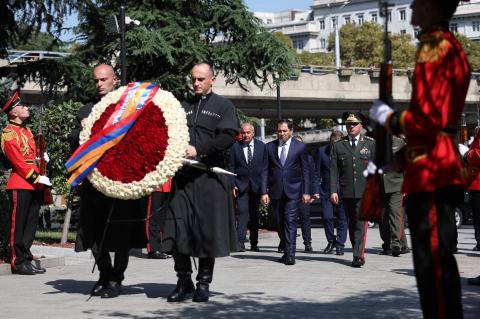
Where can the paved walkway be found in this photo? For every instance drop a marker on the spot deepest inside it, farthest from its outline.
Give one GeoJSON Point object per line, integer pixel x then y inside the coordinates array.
{"type": "Point", "coordinates": [246, 285]}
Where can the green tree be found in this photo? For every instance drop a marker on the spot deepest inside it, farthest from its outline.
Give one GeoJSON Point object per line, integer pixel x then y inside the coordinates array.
{"type": "Point", "coordinates": [20, 18]}
{"type": "Point", "coordinates": [472, 50]}
{"type": "Point", "coordinates": [362, 46]}
{"type": "Point", "coordinates": [41, 41]}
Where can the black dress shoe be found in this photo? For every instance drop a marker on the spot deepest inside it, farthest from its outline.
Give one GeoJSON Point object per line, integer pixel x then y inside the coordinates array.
{"type": "Point", "coordinates": [290, 260]}
{"type": "Point", "coordinates": [98, 287]}
{"type": "Point", "coordinates": [24, 269]}
{"type": "Point", "coordinates": [385, 252]}
{"type": "Point", "coordinates": [111, 290]}
{"type": "Point", "coordinates": [339, 251]}
{"type": "Point", "coordinates": [308, 248]}
{"type": "Point", "coordinates": [282, 259]}
{"type": "Point", "coordinates": [157, 255]}
{"type": "Point", "coordinates": [358, 262]}
{"type": "Point", "coordinates": [474, 281]}
{"type": "Point", "coordinates": [254, 248]}
{"type": "Point", "coordinates": [202, 293]}
{"type": "Point", "coordinates": [184, 288]}
{"type": "Point", "coordinates": [38, 270]}
{"type": "Point", "coordinates": [405, 250]}
{"type": "Point", "coordinates": [396, 251]}
{"type": "Point", "coordinates": [241, 247]}
{"type": "Point", "coordinates": [328, 249]}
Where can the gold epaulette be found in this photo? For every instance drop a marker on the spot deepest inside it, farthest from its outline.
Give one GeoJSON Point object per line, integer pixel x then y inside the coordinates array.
{"type": "Point", "coordinates": [8, 135]}
{"type": "Point", "coordinates": [432, 48]}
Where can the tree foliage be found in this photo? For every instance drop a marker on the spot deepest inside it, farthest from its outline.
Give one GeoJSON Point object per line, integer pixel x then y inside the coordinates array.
{"type": "Point", "coordinates": [20, 18]}
{"type": "Point", "coordinates": [362, 46]}
{"type": "Point", "coordinates": [472, 50]}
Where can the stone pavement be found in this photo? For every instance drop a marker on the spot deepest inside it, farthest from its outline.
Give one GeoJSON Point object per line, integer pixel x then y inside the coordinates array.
{"type": "Point", "coordinates": [246, 285]}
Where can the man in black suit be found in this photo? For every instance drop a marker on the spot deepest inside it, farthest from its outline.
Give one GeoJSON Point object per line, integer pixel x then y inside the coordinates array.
{"type": "Point", "coordinates": [286, 181]}
{"type": "Point", "coordinates": [247, 159]}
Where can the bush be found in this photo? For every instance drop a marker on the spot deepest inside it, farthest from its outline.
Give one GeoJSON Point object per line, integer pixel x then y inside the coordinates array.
{"type": "Point", "coordinates": [266, 219]}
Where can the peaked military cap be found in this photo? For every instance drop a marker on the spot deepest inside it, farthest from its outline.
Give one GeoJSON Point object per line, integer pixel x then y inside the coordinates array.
{"type": "Point", "coordinates": [352, 117]}
{"type": "Point", "coordinates": [13, 101]}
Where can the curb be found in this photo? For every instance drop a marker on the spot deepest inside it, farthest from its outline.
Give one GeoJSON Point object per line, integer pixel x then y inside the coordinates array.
{"type": "Point", "coordinates": [44, 262]}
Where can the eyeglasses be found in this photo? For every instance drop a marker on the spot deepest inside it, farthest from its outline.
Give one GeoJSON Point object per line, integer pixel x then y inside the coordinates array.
{"type": "Point", "coordinates": [352, 124]}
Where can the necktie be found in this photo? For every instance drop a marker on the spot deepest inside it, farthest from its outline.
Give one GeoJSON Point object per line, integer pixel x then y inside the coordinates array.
{"type": "Point", "coordinates": [249, 155]}
{"type": "Point", "coordinates": [283, 155]}
{"type": "Point", "coordinates": [353, 144]}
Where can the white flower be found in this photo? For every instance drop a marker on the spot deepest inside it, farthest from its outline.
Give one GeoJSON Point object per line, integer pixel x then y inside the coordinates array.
{"type": "Point", "coordinates": [178, 139]}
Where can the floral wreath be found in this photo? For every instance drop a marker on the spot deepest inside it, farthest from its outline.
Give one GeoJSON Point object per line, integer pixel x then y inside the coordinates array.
{"type": "Point", "coordinates": [150, 153]}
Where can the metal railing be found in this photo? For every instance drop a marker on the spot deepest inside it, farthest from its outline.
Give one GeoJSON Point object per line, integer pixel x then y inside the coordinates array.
{"type": "Point", "coordinates": [19, 56]}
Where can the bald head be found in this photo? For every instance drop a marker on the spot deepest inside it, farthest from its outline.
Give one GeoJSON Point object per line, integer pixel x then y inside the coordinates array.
{"type": "Point", "coordinates": [105, 79]}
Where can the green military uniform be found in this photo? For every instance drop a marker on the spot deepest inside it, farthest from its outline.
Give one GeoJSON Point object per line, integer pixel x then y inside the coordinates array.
{"type": "Point", "coordinates": [347, 168]}
{"type": "Point", "coordinates": [392, 230]}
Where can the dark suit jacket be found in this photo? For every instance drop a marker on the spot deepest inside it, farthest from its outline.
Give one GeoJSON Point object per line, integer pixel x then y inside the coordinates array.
{"type": "Point", "coordinates": [293, 178]}
{"type": "Point", "coordinates": [323, 163]}
{"type": "Point", "coordinates": [247, 175]}
{"type": "Point", "coordinates": [314, 177]}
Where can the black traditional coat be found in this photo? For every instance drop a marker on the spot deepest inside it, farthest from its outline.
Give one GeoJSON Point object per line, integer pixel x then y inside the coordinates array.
{"type": "Point", "coordinates": [200, 218]}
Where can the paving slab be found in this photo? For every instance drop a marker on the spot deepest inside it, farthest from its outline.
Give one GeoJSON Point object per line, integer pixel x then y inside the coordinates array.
{"type": "Point", "coordinates": [245, 285]}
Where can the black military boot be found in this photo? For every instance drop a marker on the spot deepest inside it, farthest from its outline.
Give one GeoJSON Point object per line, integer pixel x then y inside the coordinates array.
{"type": "Point", "coordinates": [204, 278]}
{"type": "Point", "coordinates": [185, 285]}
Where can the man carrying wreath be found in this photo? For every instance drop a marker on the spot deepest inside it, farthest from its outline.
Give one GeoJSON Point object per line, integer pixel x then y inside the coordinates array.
{"type": "Point", "coordinates": [200, 219]}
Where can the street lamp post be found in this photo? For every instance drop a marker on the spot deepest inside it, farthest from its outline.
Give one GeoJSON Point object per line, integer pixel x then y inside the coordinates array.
{"type": "Point", "coordinates": [279, 103]}
{"type": "Point", "coordinates": [123, 59]}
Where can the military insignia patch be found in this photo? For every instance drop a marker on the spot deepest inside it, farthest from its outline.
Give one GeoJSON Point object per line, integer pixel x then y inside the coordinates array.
{"type": "Point", "coordinates": [365, 151]}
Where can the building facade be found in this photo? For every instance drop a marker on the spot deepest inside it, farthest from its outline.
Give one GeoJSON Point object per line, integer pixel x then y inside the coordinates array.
{"type": "Point", "coordinates": [310, 29]}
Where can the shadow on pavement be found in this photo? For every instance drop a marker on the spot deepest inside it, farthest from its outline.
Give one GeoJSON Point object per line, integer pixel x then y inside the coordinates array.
{"type": "Point", "coordinates": [253, 305]}
{"type": "Point", "coordinates": [151, 290]}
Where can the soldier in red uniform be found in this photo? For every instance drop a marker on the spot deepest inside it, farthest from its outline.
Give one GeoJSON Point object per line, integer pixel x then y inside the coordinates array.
{"type": "Point", "coordinates": [433, 167]}
{"type": "Point", "coordinates": [472, 159]}
{"type": "Point", "coordinates": [24, 185]}
{"type": "Point", "coordinates": [157, 203]}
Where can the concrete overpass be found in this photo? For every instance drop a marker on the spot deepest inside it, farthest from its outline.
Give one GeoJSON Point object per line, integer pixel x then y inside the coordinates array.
{"type": "Point", "coordinates": [320, 92]}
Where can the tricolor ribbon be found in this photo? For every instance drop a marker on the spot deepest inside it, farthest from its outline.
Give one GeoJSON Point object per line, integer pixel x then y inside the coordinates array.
{"type": "Point", "coordinates": [127, 110]}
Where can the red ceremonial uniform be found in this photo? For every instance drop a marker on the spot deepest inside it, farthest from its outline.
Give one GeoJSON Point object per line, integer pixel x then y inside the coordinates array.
{"type": "Point", "coordinates": [19, 147]}
{"type": "Point", "coordinates": [473, 164]}
{"type": "Point", "coordinates": [434, 171]}
{"type": "Point", "coordinates": [440, 84]}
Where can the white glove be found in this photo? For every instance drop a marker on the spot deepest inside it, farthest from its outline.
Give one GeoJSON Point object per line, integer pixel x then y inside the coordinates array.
{"type": "Point", "coordinates": [44, 180]}
{"type": "Point", "coordinates": [379, 112]}
{"type": "Point", "coordinates": [46, 158]}
{"type": "Point", "coordinates": [462, 149]}
{"type": "Point", "coordinates": [370, 170]}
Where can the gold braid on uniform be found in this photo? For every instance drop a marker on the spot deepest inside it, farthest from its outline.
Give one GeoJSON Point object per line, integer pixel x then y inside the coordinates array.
{"type": "Point", "coordinates": [432, 48]}
{"type": "Point", "coordinates": [8, 135]}
{"type": "Point", "coordinates": [24, 147]}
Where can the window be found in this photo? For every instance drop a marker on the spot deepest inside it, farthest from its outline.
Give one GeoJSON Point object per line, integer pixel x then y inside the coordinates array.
{"type": "Point", "coordinates": [403, 15]}
{"type": "Point", "coordinates": [403, 31]}
{"type": "Point", "coordinates": [322, 44]}
{"type": "Point", "coordinates": [476, 26]}
{"type": "Point", "coordinates": [334, 22]}
{"type": "Point", "coordinates": [374, 17]}
{"type": "Point", "coordinates": [360, 19]}
{"type": "Point", "coordinates": [389, 16]}
{"type": "Point", "coordinates": [347, 20]}
{"type": "Point", "coordinates": [269, 21]}
{"type": "Point", "coordinates": [453, 27]}
{"type": "Point", "coordinates": [322, 24]}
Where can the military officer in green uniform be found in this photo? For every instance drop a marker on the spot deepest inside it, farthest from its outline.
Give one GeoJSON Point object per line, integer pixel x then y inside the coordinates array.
{"type": "Point", "coordinates": [350, 157]}
{"type": "Point", "coordinates": [392, 230]}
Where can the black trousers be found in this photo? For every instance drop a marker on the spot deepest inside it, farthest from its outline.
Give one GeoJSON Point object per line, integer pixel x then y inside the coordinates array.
{"type": "Point", "coordinates": [432, 226]}
{"type": "Point", "coordinates": [305, 223]}
{"type": "Point", "coordinates": [24, 219]}
{"type": "Point", "coordinates": [248, 203]}
{"type": "Point", "coordinates": [157, 206]}
{"type": "Point", "coordinates": [109, 271]}
{"type": "Point", "coordinates": [183, 268]}
{"type": "Point", "coordinates": [475, 203]}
